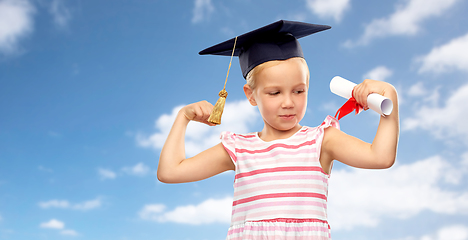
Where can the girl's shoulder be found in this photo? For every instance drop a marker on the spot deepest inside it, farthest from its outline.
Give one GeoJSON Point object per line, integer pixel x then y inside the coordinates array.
{"type": "Point", "coordinates": [232, 135]}
{"type": "Point", "coordinates": [235, 140]}
{"type": "Point", "coordinates": [328, 122]}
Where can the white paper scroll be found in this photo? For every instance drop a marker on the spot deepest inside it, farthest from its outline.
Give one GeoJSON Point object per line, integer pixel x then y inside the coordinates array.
{"type": "Point", "coordinates": [376, 102]}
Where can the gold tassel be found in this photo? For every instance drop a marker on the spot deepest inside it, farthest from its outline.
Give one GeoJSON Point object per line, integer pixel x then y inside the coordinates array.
{"type": "Point", "coordinates": [215, 116]}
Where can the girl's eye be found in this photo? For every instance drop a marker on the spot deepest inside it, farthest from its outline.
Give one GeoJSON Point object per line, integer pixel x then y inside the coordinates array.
{"type": "Point", "coordinates": [299, 91]}
{"type": "Point", "coordinates": [273, 93]}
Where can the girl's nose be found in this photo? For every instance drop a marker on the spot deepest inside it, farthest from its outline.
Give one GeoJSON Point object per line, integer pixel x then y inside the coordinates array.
{"type": "Point", "coordinates": [287, 102]}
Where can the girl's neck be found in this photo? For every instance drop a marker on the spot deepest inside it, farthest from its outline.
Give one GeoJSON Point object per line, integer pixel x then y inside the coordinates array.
{"type": "Point", "coordinates": [269, 134]}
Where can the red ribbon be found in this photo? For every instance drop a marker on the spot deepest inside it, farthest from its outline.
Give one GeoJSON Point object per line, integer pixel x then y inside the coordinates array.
{"type": "Point", "coordinates": [348, 107]}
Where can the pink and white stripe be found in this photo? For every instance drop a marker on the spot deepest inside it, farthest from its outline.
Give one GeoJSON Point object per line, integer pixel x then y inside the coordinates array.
{"type": "Point", "coordinates": [280, 188]}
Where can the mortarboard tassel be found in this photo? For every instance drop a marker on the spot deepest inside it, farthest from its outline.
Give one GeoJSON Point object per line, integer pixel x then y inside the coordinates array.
{"type": "Point", "coordinates": [215, 116]}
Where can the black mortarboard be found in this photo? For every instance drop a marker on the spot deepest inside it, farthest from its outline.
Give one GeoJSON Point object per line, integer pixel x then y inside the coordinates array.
{"type": "Point", "coordinates": [276, 41]}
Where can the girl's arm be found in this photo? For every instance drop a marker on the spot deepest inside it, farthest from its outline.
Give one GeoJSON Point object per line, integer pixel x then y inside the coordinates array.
{"type": "Point", "coordinates": [174, 167]}
{"type": "Point", "coordinates": [357, 153]}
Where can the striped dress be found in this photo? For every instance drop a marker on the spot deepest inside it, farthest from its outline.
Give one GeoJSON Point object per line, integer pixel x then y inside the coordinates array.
{"type": "Point", "coordinates": [280, 188]}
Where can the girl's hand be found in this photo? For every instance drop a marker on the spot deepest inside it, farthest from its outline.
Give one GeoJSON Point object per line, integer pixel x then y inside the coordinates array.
{"type": "Point", "coordinates": [362, 90]}
{"type": "Point", "coordinates": [174, 166]}
{"type": "Point", "coordinates": [199, 111]}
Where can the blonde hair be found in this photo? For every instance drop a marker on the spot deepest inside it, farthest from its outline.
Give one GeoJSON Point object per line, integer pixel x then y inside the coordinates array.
{"type": "Point", "coordinates": [251, 75]}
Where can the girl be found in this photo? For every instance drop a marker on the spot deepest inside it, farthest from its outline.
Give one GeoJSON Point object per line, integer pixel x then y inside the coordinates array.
{"type": "Point", "coordinates": [282, 172]}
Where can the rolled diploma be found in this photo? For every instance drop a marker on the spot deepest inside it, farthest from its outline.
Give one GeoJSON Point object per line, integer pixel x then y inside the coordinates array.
{"type": "Point", "coordinates": [376, 102]}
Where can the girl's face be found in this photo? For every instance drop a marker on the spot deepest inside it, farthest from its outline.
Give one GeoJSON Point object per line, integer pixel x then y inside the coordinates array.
{"type": "Point", "coordinates": [281, 95]}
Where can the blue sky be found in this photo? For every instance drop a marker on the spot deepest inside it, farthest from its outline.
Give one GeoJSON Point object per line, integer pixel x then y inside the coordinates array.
{"type": "Point", "coordinates": [88, 91]}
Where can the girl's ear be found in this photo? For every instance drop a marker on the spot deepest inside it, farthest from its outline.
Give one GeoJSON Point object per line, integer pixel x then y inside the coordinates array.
{"type": "Point", "coordinates": [249, 94]}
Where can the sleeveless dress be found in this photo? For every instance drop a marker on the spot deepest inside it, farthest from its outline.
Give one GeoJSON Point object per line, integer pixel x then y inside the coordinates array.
{"type": "Point", "coordinates": [280, 188]}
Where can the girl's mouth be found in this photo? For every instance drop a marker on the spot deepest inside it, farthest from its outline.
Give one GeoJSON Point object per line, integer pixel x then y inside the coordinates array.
{"type": "Point", "coordinates": [287, 116]}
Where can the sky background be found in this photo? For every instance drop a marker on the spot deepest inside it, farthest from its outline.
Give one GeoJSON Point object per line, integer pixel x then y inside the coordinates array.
{"type": "Point", "coordinates": [89, 90]}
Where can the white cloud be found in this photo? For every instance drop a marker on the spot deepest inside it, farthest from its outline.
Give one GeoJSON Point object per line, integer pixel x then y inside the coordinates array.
{"type": "Point", "coordinates": [449, 57]}
{"type": "Point", "coordinates": [422, 95]}
{"type": "Point", "coordinates": [380, 73]}
{"type": "Point", "coordinates": [139, 169]}
{"type": "Point", "coordinates": [152, 211]}
{"type": "Point", "coordinates": [53, 223]}
{"type": "Point", "coordinates": [417, 90]}
{"type": "Point", "coordinates": [86, 205]}
{"type": "Point", "coordinates": [238, 116]}
{"type": "Point", "coordinates": [464, 162]}
{"type": "Point", "coordinates": [55, 204]}
{"type": "Point", "coordinates": [106, 174]}
{"type": "Point", "coordinates": [327, 9]}
{"type": "Point", "coordinates": [202, 10]}
{"type": "Point", "coordinates": [163, 125]}
{"type": "Point", "coordinates": [60, 13]}
{"type": "Point", "coordinates": [69, 232]}
{"type": "Point", "coordinates": [58, 225]}
{"type": "Point", "coordinates": [454, 232]}
{"type": "Point", "coordinates": [16, 22]}
{"type": "Point", "coordinates": [363, 197]}
{"type": "Point", "coordinates": [406, 20]}
{"type": "Point", "coordinates": [209, 211]}
{"type": "Point", "coordinates": [443, 122]}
